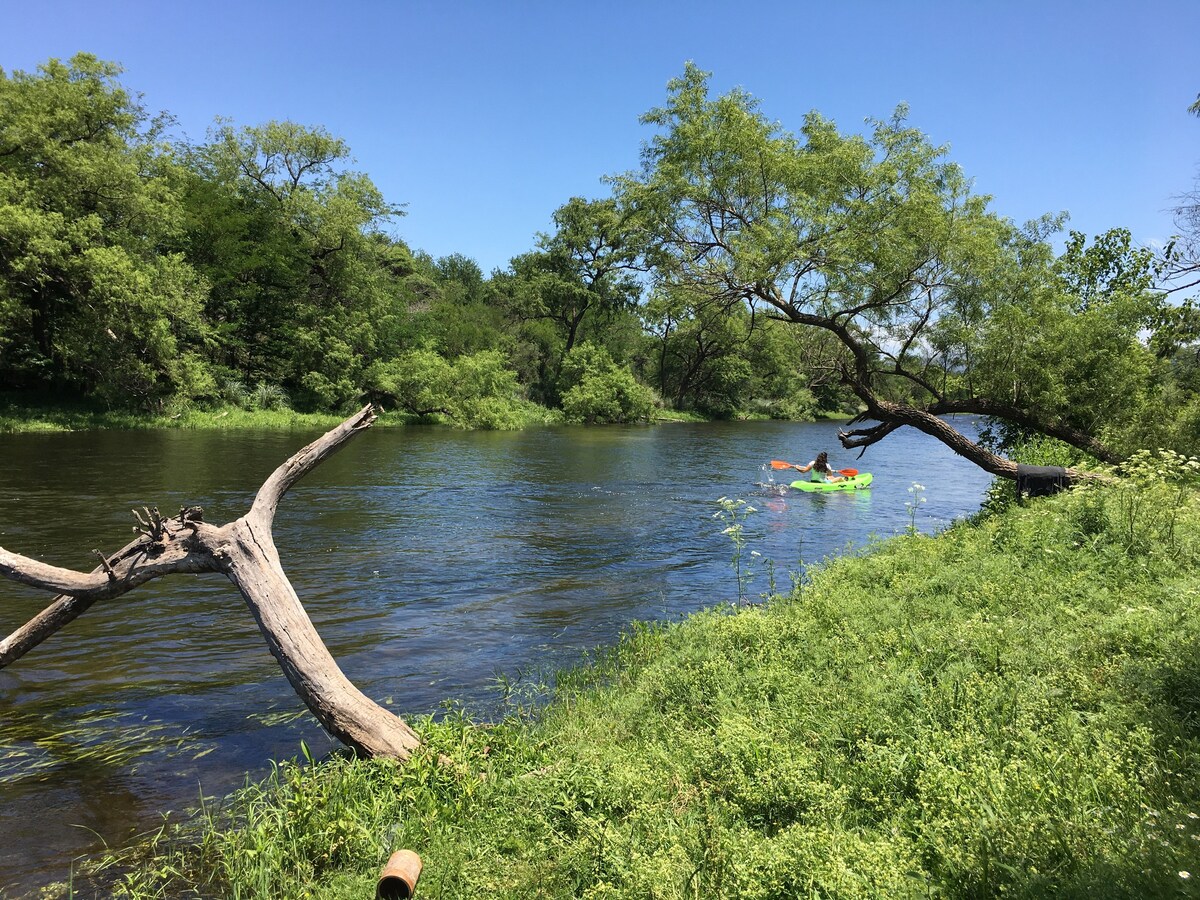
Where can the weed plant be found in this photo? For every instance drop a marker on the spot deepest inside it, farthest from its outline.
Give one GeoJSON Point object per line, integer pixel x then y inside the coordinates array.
{"type": "Point", "coordinates": [733, 513]}
{"type": "Point", "coordinates": [1008, 709]}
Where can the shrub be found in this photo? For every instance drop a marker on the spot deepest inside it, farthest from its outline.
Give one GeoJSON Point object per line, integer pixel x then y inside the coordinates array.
{"type": "Point", "coordinates": [475, 391]}
{"type": "Point", "coordinates": [601, 391]}
{"type": "Point", "coordinates": [268, 396]}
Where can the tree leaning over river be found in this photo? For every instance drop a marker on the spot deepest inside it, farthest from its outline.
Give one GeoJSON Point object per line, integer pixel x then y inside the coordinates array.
{"type": "Point", "coordinates": [935, 304]}
{"type": "Point", "coordinates": [244, 551]}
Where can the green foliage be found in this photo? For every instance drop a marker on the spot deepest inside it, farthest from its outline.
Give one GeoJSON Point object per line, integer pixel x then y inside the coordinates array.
{"type": "Point", "coordinates": [475, 391]}
{"type": "Point", "coordinates": [713, 359]}
{"type": "Point", "coordinates": [1034, 450]}
{"type": "Point", "coordinates": [578, 285]}
{"type": "Point", "coordinates": [1151, 503]}
{"type": "Point", "coordinates": [268, 396]}
{"type": "Point", "coordinates": [933, 301]}
{"type": "Point", "coordinates": [598, 391]}
{"type": "Point", "coordinates": [237, 410]}
{"type": "Point", "coordinates": [451, 307]}
{"type": "Point", "coordinates": [1067, 350]}
{"type": "Point", "coordinates": [143, 274]}
{"type": "Point", "coordinates": [140, 275]}
{"type": "Point", "coordinates": [89, 205]}
{"type": "Point", "coordinates": [784, 377]}
{"type": "Point", "coordinates": [304, 286]}
{"type": "Point", "coordinates": [1007, 709]}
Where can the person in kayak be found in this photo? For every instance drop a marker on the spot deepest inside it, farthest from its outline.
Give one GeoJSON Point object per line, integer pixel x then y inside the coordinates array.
{"type": "Point", "coordinates": [818, 469]}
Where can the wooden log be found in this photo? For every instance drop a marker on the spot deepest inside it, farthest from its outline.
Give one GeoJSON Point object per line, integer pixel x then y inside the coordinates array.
{"type": "Point", "coordinates": [244, 551]}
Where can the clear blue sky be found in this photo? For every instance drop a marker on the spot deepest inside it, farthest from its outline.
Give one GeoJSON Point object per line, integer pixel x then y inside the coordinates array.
{"type": "Point", "coordinates": [484, 117]}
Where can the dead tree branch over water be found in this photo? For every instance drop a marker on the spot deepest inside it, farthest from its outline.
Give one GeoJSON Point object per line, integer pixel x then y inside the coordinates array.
{"type": "Point", "coordinates": [244, 551]}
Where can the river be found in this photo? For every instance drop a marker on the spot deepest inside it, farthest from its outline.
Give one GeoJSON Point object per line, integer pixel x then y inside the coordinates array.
{"type": "Point", "coordinates": [431, 561]}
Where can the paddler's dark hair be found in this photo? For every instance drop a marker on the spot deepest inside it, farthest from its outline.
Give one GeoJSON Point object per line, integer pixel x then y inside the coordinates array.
{"type": "Point", "coordinates": [821, 464]}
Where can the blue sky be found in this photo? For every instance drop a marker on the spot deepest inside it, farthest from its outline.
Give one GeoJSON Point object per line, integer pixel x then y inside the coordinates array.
{"type": "Point", "coordinates": [484, 117]}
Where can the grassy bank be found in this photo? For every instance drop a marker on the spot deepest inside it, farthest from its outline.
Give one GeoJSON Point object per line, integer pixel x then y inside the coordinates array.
{"type": "Point", "coordinates": [1009, 709]}
{"type": "Point", "coordinates": [18, 414]}
{"type": "Point", "coordinates": [60, 418]}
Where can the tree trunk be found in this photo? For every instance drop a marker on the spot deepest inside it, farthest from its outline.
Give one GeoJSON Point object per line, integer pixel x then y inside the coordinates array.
{"type": "Point", "coordinates": [895, 415]}
{"type": "Point", "coordinates": [244, 551]}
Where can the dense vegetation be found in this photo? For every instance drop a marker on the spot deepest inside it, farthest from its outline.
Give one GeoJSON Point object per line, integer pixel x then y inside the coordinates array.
{"type": "Point", "coordinates": [898, 725]}
{"type": "Point", "coordinates": [743, 271]}
{"type": "Point", "coordinates": [258, 270]}
{"type": "Point", "coordinates": [923, 301]}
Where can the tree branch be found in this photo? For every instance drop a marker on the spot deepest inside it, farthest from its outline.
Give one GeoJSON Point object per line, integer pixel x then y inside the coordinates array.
{"type": "Point", "coordinates": [244, 551]}
{"type": "Point", "coordinates": [1024, 419]}
{"type": "Point", "coordinates": [303, 462]}
{"type": "Point", "coordinates": [140, 561]}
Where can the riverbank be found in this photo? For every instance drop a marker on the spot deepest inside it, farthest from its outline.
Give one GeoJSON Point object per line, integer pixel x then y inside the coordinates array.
{"type": "Point", "coordinates": [1008, 708]}
{"type": "Point", "coordinates": [20, 417]}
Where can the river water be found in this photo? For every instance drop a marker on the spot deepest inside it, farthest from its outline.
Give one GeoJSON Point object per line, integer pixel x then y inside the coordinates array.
{"type": "Point", "coordinates": [431, 561]}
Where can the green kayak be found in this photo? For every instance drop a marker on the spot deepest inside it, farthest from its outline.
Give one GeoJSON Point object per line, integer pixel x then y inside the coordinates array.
{"type": "Point", "coordinates": [861, 480]}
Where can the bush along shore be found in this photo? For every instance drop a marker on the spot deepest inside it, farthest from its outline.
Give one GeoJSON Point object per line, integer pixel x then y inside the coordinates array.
{"type": "Point", "coordinates": [18, 416]}
{"type": "Point", "coordinates": [1010, 708]}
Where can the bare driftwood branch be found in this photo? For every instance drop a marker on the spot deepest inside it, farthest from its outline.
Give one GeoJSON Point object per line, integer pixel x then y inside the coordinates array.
{"type": "Point", "coordinates": [244, 551]}
{"type": "Point", "coordinates": [136, 563]}
{"type": "Point", "coordinates": [282, 479]}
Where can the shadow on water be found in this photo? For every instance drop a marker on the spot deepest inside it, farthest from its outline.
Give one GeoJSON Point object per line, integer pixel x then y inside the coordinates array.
{"type": "Point", "coordinates": [430, 561]}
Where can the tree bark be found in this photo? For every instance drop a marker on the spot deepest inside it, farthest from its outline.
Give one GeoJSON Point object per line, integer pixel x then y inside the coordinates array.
{"type": "Point", "coordinates": [895, 415]}
{"type": "Point", "coordinates": [244, 551]}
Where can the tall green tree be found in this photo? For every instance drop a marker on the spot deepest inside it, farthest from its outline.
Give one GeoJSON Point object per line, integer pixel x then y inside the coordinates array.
{"type": "Point", "coordinates": [700, 352]}
{"type": "Point", "coordinates": [1172, 417]}
{"type": "Point", "coordinates": [458, 316]}
{"type": "Point", "coordinates": [303, 286]}
{"type": "Point", "coordinates": [93, 299]}
{"type": "Point", "coordinates": [581, 282]}
{"type": "Point", "coordinates": [725, 360]}
{"type": "Point", "coordinates": [875, 240]}
{"type": "Point", "coordinates": [1070, 352]}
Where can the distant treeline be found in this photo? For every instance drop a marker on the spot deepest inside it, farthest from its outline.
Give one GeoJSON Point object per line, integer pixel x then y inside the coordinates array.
{"type": "Point", "coordinates": [257, 269]}
{"type": "Point", "coordinates": [744, 270]}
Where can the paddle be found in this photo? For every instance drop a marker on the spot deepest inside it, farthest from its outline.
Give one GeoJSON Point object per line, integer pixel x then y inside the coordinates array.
{"type": "Point", "coordinates": [780, 464]}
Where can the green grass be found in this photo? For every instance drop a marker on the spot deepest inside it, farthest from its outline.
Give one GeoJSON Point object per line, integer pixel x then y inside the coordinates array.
{"type": "Point", "coordinates": [1010, 709]}
{"type": "Point", "coordinates": [665, 415]}
{"type": "Point", "coordinates": [18, 414]}
{"type": "Point", "coordinates": [61, 417]}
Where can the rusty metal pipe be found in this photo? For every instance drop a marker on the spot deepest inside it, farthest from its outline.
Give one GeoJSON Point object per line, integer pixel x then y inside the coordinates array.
{"type": "Point", "coordinates": [398, 880]}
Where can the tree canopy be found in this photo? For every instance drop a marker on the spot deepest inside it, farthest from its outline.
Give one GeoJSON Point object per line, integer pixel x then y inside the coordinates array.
{"type": "Point", "coordinates": [743, 270]}
{"type": "Point", "coordinates": [938, 305]}
{"type": "Point", "coordinates": [93, 296]}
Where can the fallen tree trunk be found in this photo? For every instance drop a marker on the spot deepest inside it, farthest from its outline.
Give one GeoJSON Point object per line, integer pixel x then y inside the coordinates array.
{"type": "Point", "coordinates": [244, 551]}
